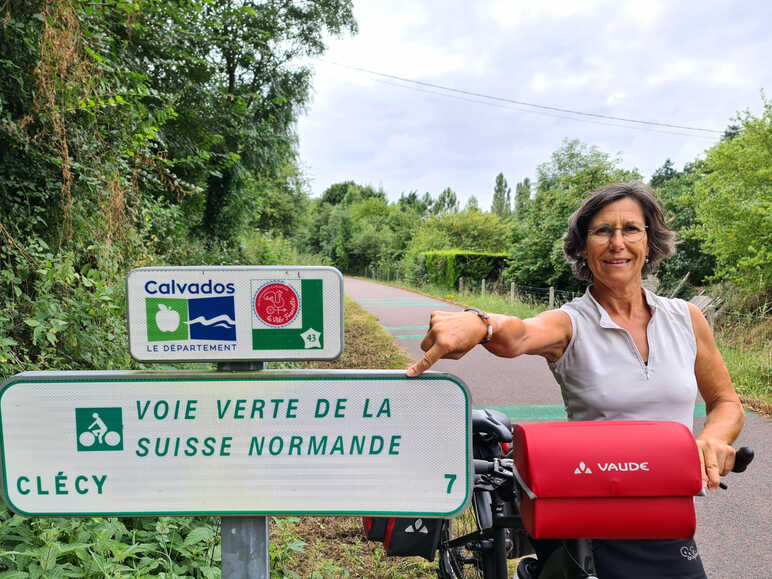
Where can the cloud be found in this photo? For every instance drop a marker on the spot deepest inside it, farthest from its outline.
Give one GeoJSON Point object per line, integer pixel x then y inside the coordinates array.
{"type": "Point", "coordinates": [689, 63]}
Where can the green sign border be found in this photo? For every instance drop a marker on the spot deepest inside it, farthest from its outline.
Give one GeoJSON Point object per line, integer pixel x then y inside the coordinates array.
{"type": "Point", "coordinates": [129, 376]}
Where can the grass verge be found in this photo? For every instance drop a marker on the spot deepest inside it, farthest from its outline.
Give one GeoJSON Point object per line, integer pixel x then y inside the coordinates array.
{"type": "Point", "coordinates": [326, 547]}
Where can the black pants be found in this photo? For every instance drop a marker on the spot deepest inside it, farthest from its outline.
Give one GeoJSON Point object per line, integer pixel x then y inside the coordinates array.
{"type": "Point", "coordinates": [637, 559]}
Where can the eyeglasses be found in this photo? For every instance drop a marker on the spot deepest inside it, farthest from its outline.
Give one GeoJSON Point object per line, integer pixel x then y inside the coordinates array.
{"type": "Point", "coordinates": [631, 232]}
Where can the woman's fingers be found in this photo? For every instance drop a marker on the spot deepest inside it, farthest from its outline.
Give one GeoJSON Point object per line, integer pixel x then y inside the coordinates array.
{"type": "Point", "coordinates": [716, 459]}
{"type": "Point", "coordinates": [450, 335]}
{"type": "Point", "coordinates": [424, 362]}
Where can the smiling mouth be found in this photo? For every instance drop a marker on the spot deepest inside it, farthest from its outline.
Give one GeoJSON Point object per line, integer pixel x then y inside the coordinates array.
{"type": "Point", "coordinates": [617, 261]}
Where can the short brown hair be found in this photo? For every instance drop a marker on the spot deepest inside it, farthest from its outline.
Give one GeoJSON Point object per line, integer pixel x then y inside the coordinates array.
{"type": "Point", "coordinates": [661, 239]}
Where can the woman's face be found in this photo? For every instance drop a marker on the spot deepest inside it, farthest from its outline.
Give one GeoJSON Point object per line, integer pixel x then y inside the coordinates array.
{"type": "Point", "coordinates": [617, 244]}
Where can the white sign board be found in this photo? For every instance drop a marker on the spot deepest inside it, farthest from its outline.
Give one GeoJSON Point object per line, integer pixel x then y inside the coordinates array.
{"type": "Point", "coordinates": [300, 442]}
{"type": "Point", "coordinates": [235, 313]}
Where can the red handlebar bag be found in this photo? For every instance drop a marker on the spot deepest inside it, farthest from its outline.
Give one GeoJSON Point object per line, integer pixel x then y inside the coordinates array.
{"type": "Point", "coordinates": [615, 479]}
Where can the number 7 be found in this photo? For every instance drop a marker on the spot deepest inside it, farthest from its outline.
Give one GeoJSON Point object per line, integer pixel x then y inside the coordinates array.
{"type": "Point", "coordinates": [451, 479]}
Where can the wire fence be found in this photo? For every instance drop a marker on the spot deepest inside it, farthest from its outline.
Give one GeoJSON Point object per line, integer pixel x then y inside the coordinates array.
{"type": "Point", "coordinates": [744, 335]}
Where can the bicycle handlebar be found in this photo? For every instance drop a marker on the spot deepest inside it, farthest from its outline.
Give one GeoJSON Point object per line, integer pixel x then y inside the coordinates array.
{"type": "Point", "coordinates": [483, 466]}
{"type": "Point", "coordinates": [742, 458]}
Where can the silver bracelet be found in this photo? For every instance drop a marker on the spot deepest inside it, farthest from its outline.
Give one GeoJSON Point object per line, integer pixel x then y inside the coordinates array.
{"type": "Point", "coordinates": [486, 320]}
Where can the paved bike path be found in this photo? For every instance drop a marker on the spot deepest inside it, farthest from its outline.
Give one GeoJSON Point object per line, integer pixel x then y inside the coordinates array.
{"type": "Point", "coordinates": [734, 527]}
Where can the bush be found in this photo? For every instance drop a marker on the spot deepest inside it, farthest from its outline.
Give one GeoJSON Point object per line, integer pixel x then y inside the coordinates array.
{"type": "Point", "coordinates": [444, 268]}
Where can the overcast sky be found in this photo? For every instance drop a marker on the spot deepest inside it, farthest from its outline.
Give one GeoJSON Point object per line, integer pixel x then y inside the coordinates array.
{"type": "Point", "coordinates": [694, 63]}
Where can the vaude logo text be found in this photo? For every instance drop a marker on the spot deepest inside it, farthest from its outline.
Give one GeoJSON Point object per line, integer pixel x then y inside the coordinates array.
{"type": "Point", "coordinates": [613, 466]}
{"type": "Point", "coordinates": [623, 466]}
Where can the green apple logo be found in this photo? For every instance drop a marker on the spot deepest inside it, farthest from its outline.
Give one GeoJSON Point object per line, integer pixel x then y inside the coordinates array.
{"type": "Point", "coordinates": [166, 319]}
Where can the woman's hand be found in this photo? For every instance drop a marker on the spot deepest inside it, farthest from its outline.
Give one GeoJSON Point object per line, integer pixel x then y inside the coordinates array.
{"type": "Point", "coordinates": [450, 335]}
{"type": "Point", "coordinates": [716, 460]}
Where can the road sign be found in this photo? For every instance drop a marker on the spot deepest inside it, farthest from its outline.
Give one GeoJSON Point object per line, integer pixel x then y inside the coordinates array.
{"type": "Point", "coordinates": [300, 442]}
{"type": "Point", "coordinates": [235, 313]}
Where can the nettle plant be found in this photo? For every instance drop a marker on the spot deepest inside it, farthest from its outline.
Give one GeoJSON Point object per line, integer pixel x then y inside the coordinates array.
{"type": "Point", "coordinates": [109, 547]}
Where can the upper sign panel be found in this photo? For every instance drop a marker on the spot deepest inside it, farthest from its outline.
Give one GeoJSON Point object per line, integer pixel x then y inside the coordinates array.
{"type": "Point", "coordinates": [186, 314]}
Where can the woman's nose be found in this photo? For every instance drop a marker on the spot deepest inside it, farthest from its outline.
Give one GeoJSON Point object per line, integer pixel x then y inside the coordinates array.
{"type": "Point", "coordinates": [617, 239]}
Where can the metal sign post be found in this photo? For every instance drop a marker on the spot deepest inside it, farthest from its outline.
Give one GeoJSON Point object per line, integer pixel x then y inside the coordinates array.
{"type": "Point", "coordinates": [245, 545]}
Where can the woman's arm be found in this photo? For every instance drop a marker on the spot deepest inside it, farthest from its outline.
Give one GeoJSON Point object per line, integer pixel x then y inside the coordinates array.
{"type": "Point", "coordinates": [725, 415]}
{"type": "Point", "coordinates": [453, 334]}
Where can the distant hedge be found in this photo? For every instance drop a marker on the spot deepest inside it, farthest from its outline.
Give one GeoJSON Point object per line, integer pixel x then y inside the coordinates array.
{"type": "Point", "coordinates": [444, 268]}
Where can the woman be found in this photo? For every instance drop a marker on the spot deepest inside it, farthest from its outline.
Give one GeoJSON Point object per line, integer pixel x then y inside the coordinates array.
{"type": "Point", "coordinates": [618, 352]}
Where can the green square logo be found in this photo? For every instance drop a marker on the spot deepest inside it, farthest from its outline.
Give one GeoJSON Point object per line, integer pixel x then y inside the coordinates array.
{"type": "Point", "coordinates": [166, 319]}
{"type": "Point", "coordinates": [99, 429]}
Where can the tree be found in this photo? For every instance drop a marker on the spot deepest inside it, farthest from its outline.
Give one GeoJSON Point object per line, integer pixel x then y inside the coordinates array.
{"type": "Point", "coordinates": [447, 202]}
{"type": "Point", "coordinates": [675, 190]}
{"type": "Point", "coordinates": [472, 204]}
{"type": "Point", "coordinates": [231, 70]}
{"type": "Point", "coordinates": [502, 197]}
{"type": "Point", "coordinates": [412, 201]}
{"type": "Point", "coordinates": [664, 174]}
{"type": "Point", "coordinates": [522, 197]}
{"type": "Point", "coordinates": [734, 204]}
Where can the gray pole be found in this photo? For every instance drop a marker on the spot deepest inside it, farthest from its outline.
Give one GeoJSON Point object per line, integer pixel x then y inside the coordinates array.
{"type": "Point", "coordinates": [245, 540]}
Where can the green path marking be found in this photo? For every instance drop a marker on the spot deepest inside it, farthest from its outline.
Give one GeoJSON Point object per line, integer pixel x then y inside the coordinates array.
{"type": "Point", "coordinates": [393, 329]}
{"type": "Point", "coordinates": [545, 412]}
{"type": "Point", "coordinates": [398, 302]}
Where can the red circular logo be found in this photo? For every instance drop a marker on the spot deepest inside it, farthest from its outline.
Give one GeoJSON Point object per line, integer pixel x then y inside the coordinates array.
{"type": "Point", "coordinates": [276, 304]}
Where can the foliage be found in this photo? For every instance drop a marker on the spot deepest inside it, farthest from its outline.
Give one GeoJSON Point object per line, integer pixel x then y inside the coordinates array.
{"type": "Point", "coordinates": [137, 133]}
{"type": "Point", "coordinates": [466, 231]}
{"type": "Point", "coordinates": [444, 268]}
{"type": "Point", "coordinates": [676, 193]}
{"type": "Point", "coordinates": [574, 170]}
{"type": "Point", "coordinates": [447, 202]}
{"type": "Point", "coordinates": [734, 204]}
{"type": "Point", "coordinates": [502, 198]}
{"type": "Point", "coordinates": [522, 197]}
{"type": "Point", "coordinates": [109, 547]}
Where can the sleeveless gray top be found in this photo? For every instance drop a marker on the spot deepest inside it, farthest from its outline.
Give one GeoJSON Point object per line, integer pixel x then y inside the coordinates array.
{"type": "Point", "coordinates": [603, 377]}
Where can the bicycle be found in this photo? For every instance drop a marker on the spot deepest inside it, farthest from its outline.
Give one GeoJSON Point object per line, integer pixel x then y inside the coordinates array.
{"type": "Point", "coordinates": [479, 542]}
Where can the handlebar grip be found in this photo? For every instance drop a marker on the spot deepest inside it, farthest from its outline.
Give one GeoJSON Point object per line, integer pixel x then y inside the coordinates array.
{"type": "Point", "coordinates": [482, 466]}
{"type": "Point", "coordinates": [742, 458]}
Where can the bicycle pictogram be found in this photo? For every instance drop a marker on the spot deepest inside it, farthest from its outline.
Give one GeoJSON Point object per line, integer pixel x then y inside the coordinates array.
{"type": "Point", "coordinates": [99, 428]}
{"type": "Point", "coordinates": [99, 433]}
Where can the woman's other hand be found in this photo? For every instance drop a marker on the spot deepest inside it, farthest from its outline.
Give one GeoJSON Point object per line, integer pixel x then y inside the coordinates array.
{"type": "Point", "coordinates": [716, 460]}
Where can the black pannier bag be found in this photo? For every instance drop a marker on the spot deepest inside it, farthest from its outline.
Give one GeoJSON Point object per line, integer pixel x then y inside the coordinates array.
{"type": "Point", "coordinates": [405, 537]}
{"type": "Point", "coordinates": [375, 528]}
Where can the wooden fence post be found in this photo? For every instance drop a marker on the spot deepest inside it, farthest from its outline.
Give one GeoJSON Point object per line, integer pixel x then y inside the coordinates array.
{"type": "Point", "coordinates": [552, 297]}
{"type": "Point", "coordinates": [482, 288]}
{"type": "Point", "coordinates": [512, 293]}
{"type": "Point", "coordinates": [460, 285]}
